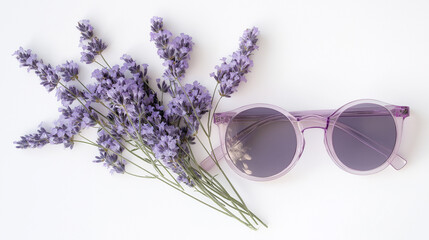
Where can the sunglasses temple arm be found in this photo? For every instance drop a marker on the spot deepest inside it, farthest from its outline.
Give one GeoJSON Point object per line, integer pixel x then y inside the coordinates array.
{"type": "Point", "coordinates": [209, 162]}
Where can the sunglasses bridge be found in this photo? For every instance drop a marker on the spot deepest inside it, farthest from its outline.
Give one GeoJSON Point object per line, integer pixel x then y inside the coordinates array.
{"type": "Point", "coordinates": [312, 121]}
{"type": "Point", "coordinates": [321, 119]}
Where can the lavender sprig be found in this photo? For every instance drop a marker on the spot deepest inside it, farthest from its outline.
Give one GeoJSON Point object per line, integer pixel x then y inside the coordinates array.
{"type": "Point", "coordinates": [47, 74]}
{"type": "Point", "coordinates": [70, 123]}
{"type": "Point", "coordinates": [91, 45]}
{"type": "Point", "coordinates": [231, 73]}
{"type": "Point", "coordinates": [175, 52]}
{"type": "Point", "coordinates": [132, 120]}
{"type": "Point", "coordinates": [68, 71]}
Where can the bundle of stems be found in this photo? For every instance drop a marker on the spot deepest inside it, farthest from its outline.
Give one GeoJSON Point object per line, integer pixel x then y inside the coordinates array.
{"type": "Point", "coordinates": [136, 127]}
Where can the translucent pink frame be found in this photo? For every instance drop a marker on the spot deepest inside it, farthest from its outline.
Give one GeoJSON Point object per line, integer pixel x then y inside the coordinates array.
{"type": "Point", "coordinates": [303, 120]}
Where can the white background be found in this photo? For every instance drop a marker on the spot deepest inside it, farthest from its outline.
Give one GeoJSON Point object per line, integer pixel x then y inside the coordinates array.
{"type": "Point", "coordinates": [313, 55]}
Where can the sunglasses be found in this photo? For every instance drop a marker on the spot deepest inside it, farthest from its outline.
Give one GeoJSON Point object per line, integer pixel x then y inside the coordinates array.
{"type": "Point", "coordinates": [263, 142]}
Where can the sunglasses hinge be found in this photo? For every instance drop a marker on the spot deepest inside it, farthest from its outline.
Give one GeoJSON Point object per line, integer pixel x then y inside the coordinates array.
{"type": "Point", "coordinates": [220, 118]}
{"type": "Point", "coordinates": [401, 111]}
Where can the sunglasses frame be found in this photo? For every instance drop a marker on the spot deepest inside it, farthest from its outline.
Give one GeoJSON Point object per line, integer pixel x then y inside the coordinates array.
{"type": "Point", "coordinates": [303, 120]}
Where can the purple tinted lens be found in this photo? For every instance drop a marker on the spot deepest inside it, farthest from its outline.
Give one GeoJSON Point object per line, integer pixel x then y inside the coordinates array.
{"type": "Point", "coordinates": [364, 136]}
{"type": "Point", "coordinates": [261, 142]}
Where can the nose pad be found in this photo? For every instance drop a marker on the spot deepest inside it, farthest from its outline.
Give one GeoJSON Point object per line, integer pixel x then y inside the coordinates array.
{"type": "Point", "coordinates": [312, 121]}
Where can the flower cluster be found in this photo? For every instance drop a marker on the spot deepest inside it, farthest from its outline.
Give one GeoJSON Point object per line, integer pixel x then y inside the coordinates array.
{"type": "Point", "coordinates": [70, 123]}
{"type": "Point", "coordinates": [190, 104]}
{"type": "Point", "coordinates": [134, 110]}
{"type": "Point", "coordinates": [131, 118]}
{"type": "Point", "coordinates": [128, 98]}
{"type": "Point", "coordinates": [47, 74]}
{"type": "Point", "coordinates": [68, 71]}
{"type": "Point", "coordinates": [231, 73]}
{"type": "Point", "coordinates": [110, 149]}
{"type": "Point", "coordinates": [91, 45]}
{"type": "Point", "coordinates": [69, 95]}
{"type": "Point", "coordinates": [50, 76]}
{"type": "Point", "coordinates": [175, 52]}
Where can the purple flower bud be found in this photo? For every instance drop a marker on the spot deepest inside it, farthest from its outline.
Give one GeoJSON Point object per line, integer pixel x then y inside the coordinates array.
{"type": "Point", "coordinates": [67, 96]}
{"type": "Point", "coordinates": [87, 57]}
{"type": "Point", "coordinates": [90, 44]}
{"type": "Point", "coordinates": [162, 86]}
{"type": "Point", "coordinates": [68, 71]}
{"type": "Point", "coordinates": [96, 46]}
{"type": "Point", "coordinates": [230, 74]}
{"type": "Point", "coordinates": [86, 30]}
{"type": "Point", "coordinates": [47, 74]}
{"type": "Point", "coordinates": [190, 103]}
{"type": "Point", "coordinates": [36, 140]}
{"type": "Point", "coordinates": [176, 53]}
{"type": "Point", "coordinates": [157, 24]}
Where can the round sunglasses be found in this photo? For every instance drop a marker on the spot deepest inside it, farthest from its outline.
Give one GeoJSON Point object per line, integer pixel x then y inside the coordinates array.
{"type": "Point", "coordinates": [263, 142]}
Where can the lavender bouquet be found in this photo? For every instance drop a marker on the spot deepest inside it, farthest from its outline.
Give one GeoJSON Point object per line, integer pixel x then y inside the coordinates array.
{"type": "Point", "coordinates": [135, 125]}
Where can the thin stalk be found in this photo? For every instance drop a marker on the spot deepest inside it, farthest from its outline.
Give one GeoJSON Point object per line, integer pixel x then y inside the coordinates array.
{"type": "Point", "coordinates": [140, 176]}
{"type": "Point", "coordinates": [84, 142]}
{"type": "Point", "coordinates": [211, 104]}
{"type": "Point", "coordinates": [101, 65]}
{"type": "Point", "coordinates": [210, 195]}
{"type": "Point", "coordinates": [154, 176]}
{"type": "Point", "coordinates": [223, 173]}
{"type": "Point", "coordinates": [228, 197]}
{"type": "Point", "coordinates": [83, 85]}
{"type": "Point", "coordinates": [154, 161]}
{"type": "Point", "coordinates": [204, 191]}
{"type": "Point", "coordinates": [74, 96]}
{"type": "Point", "coordinates": [201, 170]}
{"type": "Point", "coordinates": [210, 120]}
{"type": "Point", "coordinates": [105, 60]}
{"type": "Point", "coordinates": [229, 182]}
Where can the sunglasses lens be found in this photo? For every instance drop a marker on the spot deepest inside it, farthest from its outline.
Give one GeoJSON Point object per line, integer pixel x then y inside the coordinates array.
{"type": "Point", "coordinates": [261, 142]}
{"type": "Point", "coordinates": [364, 136]}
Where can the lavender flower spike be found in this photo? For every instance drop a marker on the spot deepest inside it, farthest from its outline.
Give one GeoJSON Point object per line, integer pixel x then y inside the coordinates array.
{"type": "Point", "coordinates": [68, 71]}
{"type": "Point", "coordinates": [190, 111]}
{"type": "Point", "coordinates": [230, 74]}
{"type": "Point", "coordinates": [70, 123]}
{"type": "Point", "coordinates": [91, 45]}
{"type": "Point", "coordinates": [86, 30]}
{"type": "Point", "coordinates": [133, 121]}
{"type": "Point", "coordinates": [35, 140]}
{"type": "Point", "coordinates": [47, 74]}
{"type": "Point", "coordinates": [176, 52]}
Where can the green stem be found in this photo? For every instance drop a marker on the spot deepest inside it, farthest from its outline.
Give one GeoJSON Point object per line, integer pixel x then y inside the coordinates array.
{"type": "Point", "coordinates": [223, 173]}
{"type": "Point", "coordinates": [222, 193]}
{"type": "Point", "coordinates": [216, 195]}
{"type": "Point", "coordinates": [83, 85]}
{"type": "Point", "coordinates": [154, 176]}
{"type": "Point", "coordinates": [210, 120]}
{"type": "Point", "coordinates": [211, 104]}
{"type": "Point", "coordinates": [140, 176]}
{"type": "Point", "coordinates": [101, 65]}
{"type": "Point", "coordinates": [105, 60]}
